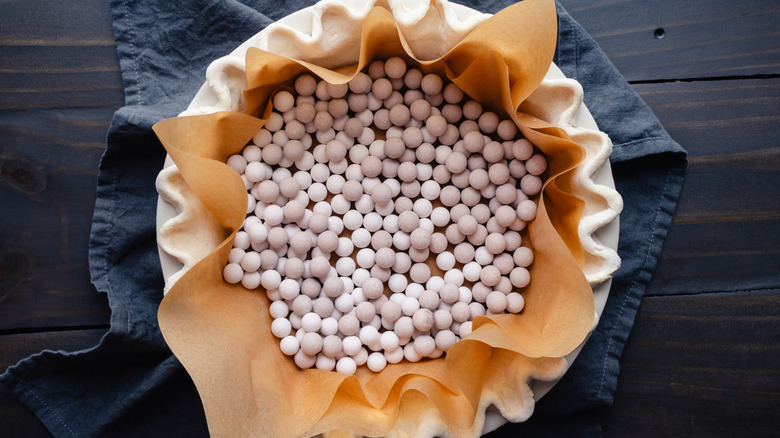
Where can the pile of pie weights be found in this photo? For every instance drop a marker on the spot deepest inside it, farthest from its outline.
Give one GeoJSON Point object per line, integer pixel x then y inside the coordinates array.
{"type": "Point", "coordinates": [353, 188]}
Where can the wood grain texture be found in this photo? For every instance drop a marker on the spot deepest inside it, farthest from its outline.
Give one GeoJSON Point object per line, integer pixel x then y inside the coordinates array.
{"type": "Point", "coordinates": [695, 364]}
{"type": "Point", "coordinates": [59, 86]}
{"type": "Point", "coordinates": [724, 232]}
{"type": "Point", "coordinates": [718, 38]}
{"type": "Point", "coordinates": [717, 118]}
{"type": "Point", "coordinates": [48, 177]}
{"type": "Point", "coordinates": [700, 365]}
{"type": "Point", "coordinates": [64, 55]}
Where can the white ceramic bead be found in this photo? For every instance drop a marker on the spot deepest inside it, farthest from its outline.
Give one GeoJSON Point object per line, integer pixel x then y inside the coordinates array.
{"type": "Point", "coordinates": [424, 345]}
{"type": "Point", "coordinates": [410, 353]}
{"type": "Point", "coordinates": [414, 290]}
{"type": "Point", "coordinates": [401, 240]}
{"type": "Point", "coordinates": [311, 322]}
{"type": "Point", "coordinates": [369, 336]}
{"type": "Point", "coordinates": [365, 204]}
{"type": "Point", "coordinates": [454, 276]}
{"type": "Point", "coordinates": [281, 327]}
{"type": "Point", "coordinates": [376, 362]}
{"type": "Point", "coordinates": [288, 288]}
{"type": "Point", "coordinates": [404, 327]}
{"type": "Point", "coordinates": [360, 276]}
{"type": "Point", "coordinates": [389, 340]}
{"type": "Point", "coordinates": [317, 192]}
{"type": "Point", "coordinates": [496, 302]}
{"type": "Point", "coordinates": [410, 305]}
{"type": "Point", "coordinates": [422, 207]}
{"type": "Point", "coordinates": [445, 261]}
{"type": "Point", "coordinates": [345, 266]}
{"type": "Point", "coordinates": [233, 273]}
{"type": "Point", "coordinates": [330, 326]}
{"type": "Point", "coordinates": [345, 247]}
{"type": "Point", "coordinates": [344, 303]}
{"type": "Point", "coordinates": [365, 258]}
{"type": "Point", "coordinates": [279, 309]}
{"type": "Point", "coordinates": [270, 279]}
{"type": "Point", "coordinates": [372, 288]}
{"type": "Point", "coordinates": [346, 365]}
{"type": "Point", "coordinates": [325, 363]}
{"type": "Point", "coordinates": [335, 224]}
{"type": "Point", "coordinates": [361, 357]}
{"type": "Point", "coordinates": [445, 339]}
{"type": "Point", "coordinates": [372, 221]}
{"type": "Point", "coordinates": [397, 283]}
{"type": "Point", "coordinates": [520, 277]}
{"type": "Point", "coordinates": [351, 345]}
{"type": "Point", "coordinates": [289, 345]}
{"type": "Point", "coordinates": [353, 220]}
{"type": "Point", "coordinates": [395, 356]}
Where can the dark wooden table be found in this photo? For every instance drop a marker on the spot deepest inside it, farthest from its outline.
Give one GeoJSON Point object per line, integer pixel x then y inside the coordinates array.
{"type": "Point", "coordinates": [704, 356]}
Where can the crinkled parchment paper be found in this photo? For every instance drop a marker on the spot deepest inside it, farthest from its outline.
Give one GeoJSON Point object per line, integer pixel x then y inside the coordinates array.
{"type": "Point", "coordinates": [220, 332]}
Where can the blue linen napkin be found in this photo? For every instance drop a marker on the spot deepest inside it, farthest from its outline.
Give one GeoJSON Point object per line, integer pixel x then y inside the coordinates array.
{"type": "Point", "coordinates": [131, 385]}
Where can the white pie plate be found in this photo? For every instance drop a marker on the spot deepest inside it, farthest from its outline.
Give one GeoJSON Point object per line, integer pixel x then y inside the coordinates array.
{"type": "Point", "coordinates": [608, 235]}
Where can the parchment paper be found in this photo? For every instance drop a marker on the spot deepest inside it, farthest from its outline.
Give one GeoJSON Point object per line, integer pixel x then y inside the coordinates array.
{"type": "Point", "coordinates": [221, 332]}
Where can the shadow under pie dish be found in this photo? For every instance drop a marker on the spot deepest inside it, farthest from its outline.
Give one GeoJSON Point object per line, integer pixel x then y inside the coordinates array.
{"type": "Point", "coordinates": [221, 332]}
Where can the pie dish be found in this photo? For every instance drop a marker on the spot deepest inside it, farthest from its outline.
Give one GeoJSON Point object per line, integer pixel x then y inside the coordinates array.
{"type": "Point", "coordinates": [557, 101]}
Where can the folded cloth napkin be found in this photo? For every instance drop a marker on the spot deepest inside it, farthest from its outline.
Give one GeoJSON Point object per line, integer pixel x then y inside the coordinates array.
{"type": "Point", "coordinates": [131, 385]}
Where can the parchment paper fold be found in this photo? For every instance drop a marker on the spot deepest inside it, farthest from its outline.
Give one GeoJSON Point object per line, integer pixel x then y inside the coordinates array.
{"type": "Point", "coordinates": [221, 332]}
